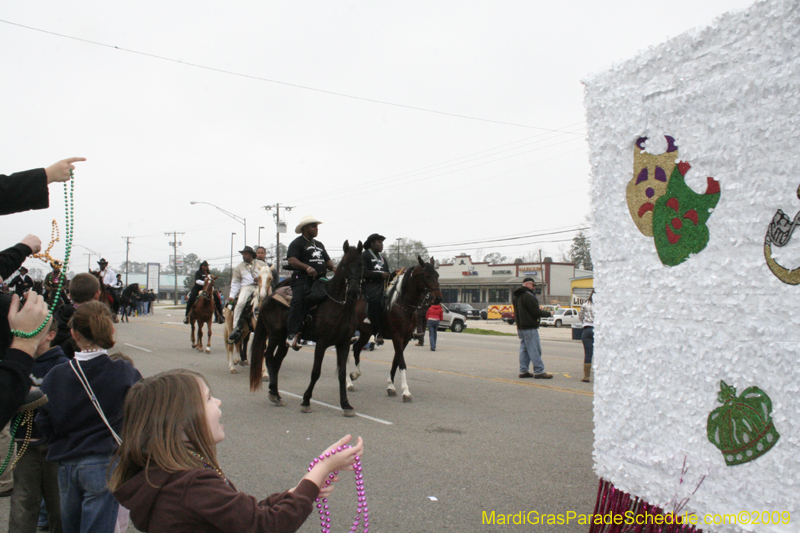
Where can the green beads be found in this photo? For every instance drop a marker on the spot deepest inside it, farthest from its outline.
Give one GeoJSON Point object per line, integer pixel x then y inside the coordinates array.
{"type": "Point", "coordinates": [69, 200]}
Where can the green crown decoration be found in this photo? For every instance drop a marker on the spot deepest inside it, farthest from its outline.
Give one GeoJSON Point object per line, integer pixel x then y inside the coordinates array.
{"type": "Point", "coordinates": [742, 427]}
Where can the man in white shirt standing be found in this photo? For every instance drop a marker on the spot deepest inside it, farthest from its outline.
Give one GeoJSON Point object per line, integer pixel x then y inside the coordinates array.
{"type": "Point", "coordinates": [109, 279]}
{"type": "Point", "coordinates": [243, 284]}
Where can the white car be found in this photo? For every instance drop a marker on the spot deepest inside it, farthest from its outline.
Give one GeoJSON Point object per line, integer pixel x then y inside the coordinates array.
{"type": "Point", "coordinates": [453, 321]}
{"type": "Point", "coordinates": [562, 317]}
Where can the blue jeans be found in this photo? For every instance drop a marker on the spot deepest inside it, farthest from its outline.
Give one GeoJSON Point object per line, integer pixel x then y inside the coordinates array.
{"type": "Point", "coordinates": [587, 337]}
{"type": "Point", "coordinates": [530, 351]}
{"type": "Point", "coordinates": [433, 330]}
{"type": "Point", "coordinates": [87, 505]}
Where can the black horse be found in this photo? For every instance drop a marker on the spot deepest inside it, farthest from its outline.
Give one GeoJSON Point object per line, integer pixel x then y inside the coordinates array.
{"type": "Point", "coordinates": [334, 325]}
{"type": "Point", "coordinates": [125, 300]}
{"type": "Point", "coordinates": [400, 320]}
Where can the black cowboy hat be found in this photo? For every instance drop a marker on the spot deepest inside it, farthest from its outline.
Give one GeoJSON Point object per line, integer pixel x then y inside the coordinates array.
{"type": "Point", "coordinates": [372, 238]}
{"type": "Point", "coordinates": [249, 250]}
{"type": "Point", "coordinates": [204, 263]}
{"type": "Point", "coordinates": [102, 261]}
{"type": "Point", "coordinates": [23, 270]}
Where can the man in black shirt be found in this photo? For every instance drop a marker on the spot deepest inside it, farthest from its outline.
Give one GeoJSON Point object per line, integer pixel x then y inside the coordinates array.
{"type": "Point", "coordinates": [308, 259]}
{"type": "Point", "coordinates": [22, 283]}
{"type": "Point", "coordinates": [376, 275]}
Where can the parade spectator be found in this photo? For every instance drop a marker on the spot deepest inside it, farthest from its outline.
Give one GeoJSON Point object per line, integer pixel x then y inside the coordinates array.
{"type": "Point", "coordinates": [34, 476]}
{"type": "Point", "coordinates": [527, 315]}
{"type": "Point", "coordinates": [421, 317]}
{"type": "Point", "coordinates": [587, 336]}
{"type": "Point", "coordinates": [19, 192]}
{"type": "Point", "coordinates": [83, 418]}
{"type": "Point", "coordinates": [434, 315]}
{"type": "Point", "coordinates": [83, 288]}
{"type": "Point", "coordinates": [169, 476]}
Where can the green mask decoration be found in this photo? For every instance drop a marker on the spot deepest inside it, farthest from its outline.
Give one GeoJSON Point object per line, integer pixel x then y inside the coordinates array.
{"type": "Point", "coordinates": [680, 216]}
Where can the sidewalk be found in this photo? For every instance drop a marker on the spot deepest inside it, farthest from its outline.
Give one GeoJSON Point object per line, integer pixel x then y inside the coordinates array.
{"type": "Point", "coordinates": [545, 333]}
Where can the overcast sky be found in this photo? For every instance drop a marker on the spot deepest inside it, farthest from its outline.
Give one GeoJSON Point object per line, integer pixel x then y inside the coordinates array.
{"type": "Point", "coordinates": [456, 123]}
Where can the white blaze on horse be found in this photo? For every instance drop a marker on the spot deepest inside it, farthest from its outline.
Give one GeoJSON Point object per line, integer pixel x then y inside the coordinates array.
{"type": "Point", "coordinates": [203, 313]}
{"type": "Point", "coordinates": [237, 353]}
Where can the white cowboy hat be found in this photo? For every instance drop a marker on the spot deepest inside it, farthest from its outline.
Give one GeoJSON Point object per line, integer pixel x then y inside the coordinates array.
{"type": "Point", "coordinates": [305, 221]}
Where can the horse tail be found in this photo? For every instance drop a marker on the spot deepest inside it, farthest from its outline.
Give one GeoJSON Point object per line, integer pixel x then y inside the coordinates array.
{"type": "Point", "coordinates": [259, 346]}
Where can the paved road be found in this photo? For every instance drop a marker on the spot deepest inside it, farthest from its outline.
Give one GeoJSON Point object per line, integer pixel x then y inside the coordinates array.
{"type": "Point", "coordinates": [475, 440]}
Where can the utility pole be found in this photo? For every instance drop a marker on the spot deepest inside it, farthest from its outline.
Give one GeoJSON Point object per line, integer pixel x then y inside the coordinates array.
{"type": "Point", "coordinates": [398, 252]}
{"type": "Point", "coordinates": [278, 227]}
{"type": "Point", "coordinates": [127, 263]}
{"type": "Point", "coordinates": [175, 259]}
{"type": "Point", "coordinates": [88, 262]}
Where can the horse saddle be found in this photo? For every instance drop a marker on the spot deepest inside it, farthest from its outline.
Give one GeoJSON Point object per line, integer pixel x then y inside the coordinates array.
{"type": "Point", "coordinates": [315, 296]}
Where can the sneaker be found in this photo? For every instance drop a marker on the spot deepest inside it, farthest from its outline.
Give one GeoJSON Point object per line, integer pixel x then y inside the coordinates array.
{"type": "Point", "coordinates": [526, 375]}
{"type": "Point", "coordinates": [543, 375]}
{"type": "Point", "coordinates": [235, 336]}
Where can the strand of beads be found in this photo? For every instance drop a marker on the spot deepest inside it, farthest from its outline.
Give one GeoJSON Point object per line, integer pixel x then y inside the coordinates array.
{"type": "Point", "coordinates": [55, 236]}
{"type": "Point", "coordinates": [324, 510]}
{"type": "Point", "coordinates": [69, 202]}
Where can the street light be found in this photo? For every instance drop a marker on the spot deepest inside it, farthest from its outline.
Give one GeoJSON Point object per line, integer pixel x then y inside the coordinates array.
{"type": "Point", "coordinates": [237, 218]}
{"type": "Point", "coordinates": [232, 234]}
{"type": "Point", "coordinates": [259, 234]}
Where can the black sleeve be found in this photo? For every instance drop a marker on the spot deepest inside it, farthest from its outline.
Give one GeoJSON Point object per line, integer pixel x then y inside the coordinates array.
{"type": "Point", "coordinates": [23, 191]}
{"type": "Point", "coordinates": [369, 273]}
{"type": "Point", "coordinates": [12, 258]}
{"type": "Point", "coordinates": [15, 382]}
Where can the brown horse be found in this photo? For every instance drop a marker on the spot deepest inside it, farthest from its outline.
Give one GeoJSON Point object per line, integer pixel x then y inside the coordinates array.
{"type": "Point", "coordinates": [237, 353]}
{"type": "Point", "coordinates": [203, 313]}
{"type": "Point", "coordinates": [400, 320]}
{"type": "Point", "coordinates": [334, 324]}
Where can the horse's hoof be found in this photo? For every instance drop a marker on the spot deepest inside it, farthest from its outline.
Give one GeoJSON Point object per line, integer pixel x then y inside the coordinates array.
{"type": "Point", "coordinates": [208, 350]}
{"type": "Point", "coordinates": [236, 361]}
{"type": "Point", "coordinates": [391, 392]}
{"type": "Point", "coordinates": [355, 375]}
{"type": "Point", "coordinates": [234, 371]}
{"type": "Point", "coordinates": [265, 379]}
{"type": "Point", "coordinates": [305, 409]}
{"type": "Point", "coordinates": [349, 413]}
{"type": "Point", "coordinates": [351, 388]}
{"type": "Point", "coordinates": [407, 398]}
{"type": "Point", "coordinates": [244, 363]}
{"type": "Point", "coordinates": [277, 400]}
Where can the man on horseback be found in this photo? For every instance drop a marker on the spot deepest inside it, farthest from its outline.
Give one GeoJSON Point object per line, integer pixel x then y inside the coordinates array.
{"type": "Point", "coordinates": [199, 281]}
{"type": "Point", "coordinates": [243, 284]}
{"type": "Point", "coordinates": [51, 281]}
{"type": "Point", "coordinates": [109, 279]}
{"type": "Point", "coordinates": [22, 283]}
{"type": "Point", "coordinates": [376, 275]}
{"type": "Point", "coordinates": [308, 259]}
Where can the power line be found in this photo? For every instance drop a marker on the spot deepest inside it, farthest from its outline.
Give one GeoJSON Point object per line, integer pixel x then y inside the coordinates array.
{"type": "Point", "coordinates": [278, 82]}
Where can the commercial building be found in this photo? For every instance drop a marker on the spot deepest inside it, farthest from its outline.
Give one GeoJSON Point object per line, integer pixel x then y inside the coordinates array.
{"type": "Point", "coordinates": [482, 284]}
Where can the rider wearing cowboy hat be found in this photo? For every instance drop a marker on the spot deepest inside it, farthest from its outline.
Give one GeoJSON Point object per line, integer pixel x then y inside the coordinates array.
{"type": "Point", "coordinates": [308, 259]}
{"type": "Point", "coordinates": [51, 281]}
{"type": "Point", "coordinates": [376, 275]}
{"type": "Point", "coordinates": [109, 279]}
{"type": "Point", "coordinates": [22, 283]}
{"type": "Point", "coordinates": [199, 282]}
{"type": "Point", "coordinates": [243, 284]}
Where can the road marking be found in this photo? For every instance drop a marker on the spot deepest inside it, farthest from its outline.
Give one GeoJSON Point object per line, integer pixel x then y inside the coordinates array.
{"type": "Point", "coordinates": [339, 408]}
{"type": "Point", "coordinates": [138, 348]}
{"type": "Point", "coordinates": [498, 380]}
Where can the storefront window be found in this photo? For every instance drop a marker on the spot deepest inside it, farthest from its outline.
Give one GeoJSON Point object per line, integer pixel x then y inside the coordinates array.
{"type": "Point", "coordinates": [449, 295]}
{"type": "Point", "coordinates": [498, 296]}
{"type": "Point", "coordinates": [471, 296]}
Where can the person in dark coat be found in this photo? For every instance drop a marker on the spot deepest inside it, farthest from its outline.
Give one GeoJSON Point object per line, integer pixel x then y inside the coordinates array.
{"type": "Point", "coordinates": [376, 276]}
{"type": "Point", "coordinates": [22, 283]}
{"type": "Point", "coordinates": [527, 315]}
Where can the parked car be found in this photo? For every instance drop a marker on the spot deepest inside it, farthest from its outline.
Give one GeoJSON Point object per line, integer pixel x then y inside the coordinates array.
{"type": "Point", "coordinates": [562, 317]}
{"type": "Point", "coordinates": [453, 321]}
{"type": "Point", "coordinates": [465, 309]}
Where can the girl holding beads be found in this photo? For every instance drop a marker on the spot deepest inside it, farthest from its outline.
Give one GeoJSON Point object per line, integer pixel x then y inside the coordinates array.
{"type": "Point", "coordinates": [82, 420]}
{"type": "Point", "coordinates": [169, 477]}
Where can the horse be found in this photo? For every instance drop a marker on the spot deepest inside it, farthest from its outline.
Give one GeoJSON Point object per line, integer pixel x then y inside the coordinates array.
{"type": "Point", "coordinates": [249, 317]}
{"type": "Point", "coordinates": [203, 313]}
{"type": "Point", "coordinates": [105, 297]}
{"type": "Point", "coordinates": [334, 323]}
{"type": "Point", "coordinates": [125, 300]}
{"type": "Point", "coordinates": [399, 321]}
